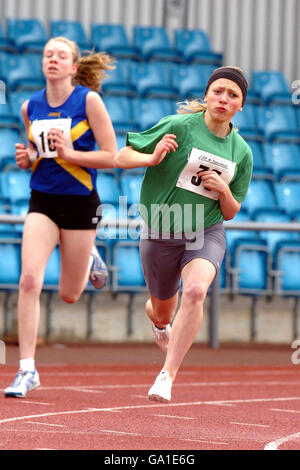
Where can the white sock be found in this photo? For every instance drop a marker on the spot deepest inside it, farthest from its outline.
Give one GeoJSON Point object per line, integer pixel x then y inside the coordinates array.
{"type": "Point", "coordinates": [27, 365]}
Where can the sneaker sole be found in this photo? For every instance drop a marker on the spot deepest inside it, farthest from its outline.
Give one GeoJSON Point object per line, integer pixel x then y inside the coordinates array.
{"type": "Point", "coordinates": [19, 395]}
{"type": "Point", "coordinates": [159, 398]}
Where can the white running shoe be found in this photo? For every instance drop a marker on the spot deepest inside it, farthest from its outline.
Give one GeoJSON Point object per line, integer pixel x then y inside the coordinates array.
{"type": "Point", "coordinates": [24, 382]}
{"type": "Point", "coordinates": [161, 389]}
{"type": "Point", "coordinates": [99, 272]}
{"type": "Point", "coordinates": [162, 336]}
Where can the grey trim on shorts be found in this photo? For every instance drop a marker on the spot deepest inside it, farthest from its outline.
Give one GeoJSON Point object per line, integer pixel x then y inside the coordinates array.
{"type": "Point", "coordinates": [164, 259]}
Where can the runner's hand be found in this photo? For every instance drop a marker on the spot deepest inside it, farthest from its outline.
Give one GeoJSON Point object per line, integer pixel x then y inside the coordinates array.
{"type": "Point", "coordinates": [58, 141]}
{"type": "Point", "coordinates": [22, 156]}
{"type": "Point", "coordinates": [164, 146]}
{"type": "Point", "coordinates": [212, 181]}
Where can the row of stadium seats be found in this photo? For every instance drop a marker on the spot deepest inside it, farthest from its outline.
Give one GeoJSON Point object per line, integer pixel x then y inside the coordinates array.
{"type": "Point", "coordinates": [263, 196]}
{"type": "Point", "coordinates": [161, 79]}
{"type": "Point", "coordinates": [264, 124]}
{"type": "Point", "coordinates": [250, 266]}
{"type": "Point", "coordinates": [146, 43]}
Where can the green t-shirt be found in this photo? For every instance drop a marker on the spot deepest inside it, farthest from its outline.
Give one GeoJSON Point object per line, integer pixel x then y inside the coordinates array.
{"type": "Point", "coordinates": [172, 196]}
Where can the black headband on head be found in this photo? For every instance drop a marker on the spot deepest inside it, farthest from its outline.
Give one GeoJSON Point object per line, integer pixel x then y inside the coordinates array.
{"type": "Point", "coordinates": [231, 74]}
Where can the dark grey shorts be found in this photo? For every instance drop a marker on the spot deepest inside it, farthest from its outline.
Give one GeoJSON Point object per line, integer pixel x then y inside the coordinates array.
{"type": "Point", "coordinates": [164, 259]}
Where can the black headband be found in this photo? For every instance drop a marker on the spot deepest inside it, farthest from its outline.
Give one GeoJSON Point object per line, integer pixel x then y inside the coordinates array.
{"type": "Point", "coordinates": [232, 74]}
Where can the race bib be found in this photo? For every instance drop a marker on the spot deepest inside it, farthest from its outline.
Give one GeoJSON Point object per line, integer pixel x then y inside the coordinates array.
{"type": "Point", "coordinates": [40, 129]}
{"type": "Point", "coordinates": [199, 161]}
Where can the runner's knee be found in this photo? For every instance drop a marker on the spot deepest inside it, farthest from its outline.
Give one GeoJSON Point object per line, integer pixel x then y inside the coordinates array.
{"type": "Point", "coordinates": [30, 282]}
{"type": "Point", "coordinates": [195, 292]}
{"type": "Point", "coordinates": [69, 297]}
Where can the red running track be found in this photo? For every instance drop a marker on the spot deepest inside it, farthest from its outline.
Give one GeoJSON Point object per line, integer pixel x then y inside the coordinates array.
{"type": "Point", "coordinates": [95, 398]}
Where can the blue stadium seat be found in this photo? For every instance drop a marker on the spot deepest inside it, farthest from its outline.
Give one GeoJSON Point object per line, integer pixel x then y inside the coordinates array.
{"type": "Point", "coordinates": [120, 111]}
{"type": "Point", "coordinates": [7, 118]}
{"type": "Point", "coordinates": [52, 272]}
{"type": "Point", "coordinates": [128, 275]}
{"type": "Point", "coordinates": [237, 236]}
{"type": "Point", "coordinates": [28, 34]}
{"type": "Point", "coordinates": [273, 237]}
{"type": "Point", "coordinates": [16, 99]}
{"type": "Point", "coordinates": [195, 46]}
{"type": "Point", "coordinates": [251, 265]}
{"type": "Point", "coordinates": [260, 167]}
{"type": "Point", "coordinates": [15, 184]}
{"type": "Point", "coordinates": [260, 197]}
{"type": "Point", "coordinates": [72, 30]}
{"type": "Point", "coordinates": [19, 207]}
{"type": "Point", "coordinates": [279, 123]}
{"type": "Point", "coordinates": [108, 188]}
{"type": "Point", "coordinates": [287, 268]}
{"type": "Point", "coordinates": [153, 43]}
{"type": "Point", "coordinates": [10, 264]}
{"type": "Point", "coordinates": [288, 196]}
{"type": "Point", "coordinates": [130, 183]}
{"type": "Point", "coordinates": [252, 96]}
{"type": "Point", "coordinates": [189, 80]}
{"type": "Point", "coordinates": [153, 79]}
{"type": "Point", "coordinates": [22, 71]}
{"type": "Point", "coordinates": [297, 109]}
{"type": "Point", "coordinates": [6, 230]}
{"type": "Point", "coordinates": [284, 159]}
{"type": "Point", "coordinates": [113, 39]}
{"type": "Point", "coordinates": [6, 44]}
{"type": "Point", "coordinates": [118, 80]}
{"type": "Point", "coordinates": [108, 230]}
{"type": "Point", "coordinates": [121, 140]}
{"type": "Point", "coordinates": [147, 112]}
{"type": "Point", "coordinates": [246, 121]}
{"type": "Point", "coordinates": [272, 87]}
{"type": "Point", "coordinates": [8, 138]}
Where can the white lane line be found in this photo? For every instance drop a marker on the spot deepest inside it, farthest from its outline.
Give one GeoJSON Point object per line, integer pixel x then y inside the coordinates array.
{"type": "Point", "coordinates": [286, 411]}
{"type": "Point", "coordinates": [47, 424]}
{"type": "Point", "coordinates": [278, 442]}
{"type": "Point", "coordinates": [250, 424]}
{"type": "Point", "coordinates": [173, 416]}
{"type": "Point", "coordinates": [31, 402]}
{"type": "Point", "coordinates": [154, 405]}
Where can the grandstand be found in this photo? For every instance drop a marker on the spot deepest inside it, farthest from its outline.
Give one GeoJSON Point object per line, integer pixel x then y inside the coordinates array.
{"type": "Point", "coordinates": [154, 71]}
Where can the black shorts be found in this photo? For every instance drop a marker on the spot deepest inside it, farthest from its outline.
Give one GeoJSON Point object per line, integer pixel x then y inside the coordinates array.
{"type": "Point", "coordinates": [72, 212]}
{"type": "Point", "coordinates": [164, 259]}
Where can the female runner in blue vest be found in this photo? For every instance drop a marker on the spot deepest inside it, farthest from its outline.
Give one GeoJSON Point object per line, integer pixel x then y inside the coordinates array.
{"type": "Point", "coordinates": [63, 123]}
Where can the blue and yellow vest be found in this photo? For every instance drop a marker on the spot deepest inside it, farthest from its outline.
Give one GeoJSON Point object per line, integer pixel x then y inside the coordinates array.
{"type": "Point", "coordinates": [51, 174]}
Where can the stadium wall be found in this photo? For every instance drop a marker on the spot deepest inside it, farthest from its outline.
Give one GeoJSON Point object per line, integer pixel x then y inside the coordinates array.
{"type": "Point", "coordinates": [255, 34]}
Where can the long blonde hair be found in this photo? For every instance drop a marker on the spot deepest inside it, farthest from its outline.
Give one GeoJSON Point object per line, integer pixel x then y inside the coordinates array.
{"type": "Point", "coordinates": [197, 105]}
{"type": "Point", "coordinates": [191, 106]}
{"type": "Point", "coordinates": [91, 67]}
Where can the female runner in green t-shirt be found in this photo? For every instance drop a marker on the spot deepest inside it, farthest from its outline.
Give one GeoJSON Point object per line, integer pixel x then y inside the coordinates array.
{"type": "Point", "coordinates": [198, 173]}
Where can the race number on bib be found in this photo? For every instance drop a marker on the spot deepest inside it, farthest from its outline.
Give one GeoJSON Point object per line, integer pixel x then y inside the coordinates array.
{"type": "Point", "coordinates": [199, 161]}
{"type": "Point", "coordinates": [40, 129]}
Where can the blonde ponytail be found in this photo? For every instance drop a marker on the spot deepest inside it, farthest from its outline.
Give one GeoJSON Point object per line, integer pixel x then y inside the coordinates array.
{"type": "Point", "coordinates": [92, 69]}
{"type": "Point", "coordinates": [191, 106]}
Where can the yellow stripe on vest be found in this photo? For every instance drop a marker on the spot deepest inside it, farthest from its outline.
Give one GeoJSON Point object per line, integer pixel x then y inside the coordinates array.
{"type": "Point", "coordinates": [78, 130]}
{"type": "Point", "coordinates": [79, 173]}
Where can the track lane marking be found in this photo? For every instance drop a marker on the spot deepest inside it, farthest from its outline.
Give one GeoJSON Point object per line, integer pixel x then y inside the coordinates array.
{"type": "Point", "coordinates": [250, 424]}
{"type": "Point", "coordinates": [154, 405]}
{"type": "Point", "coordinates": [286, 411]}
{"type": "Point", "coordinates": [282, 440]}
